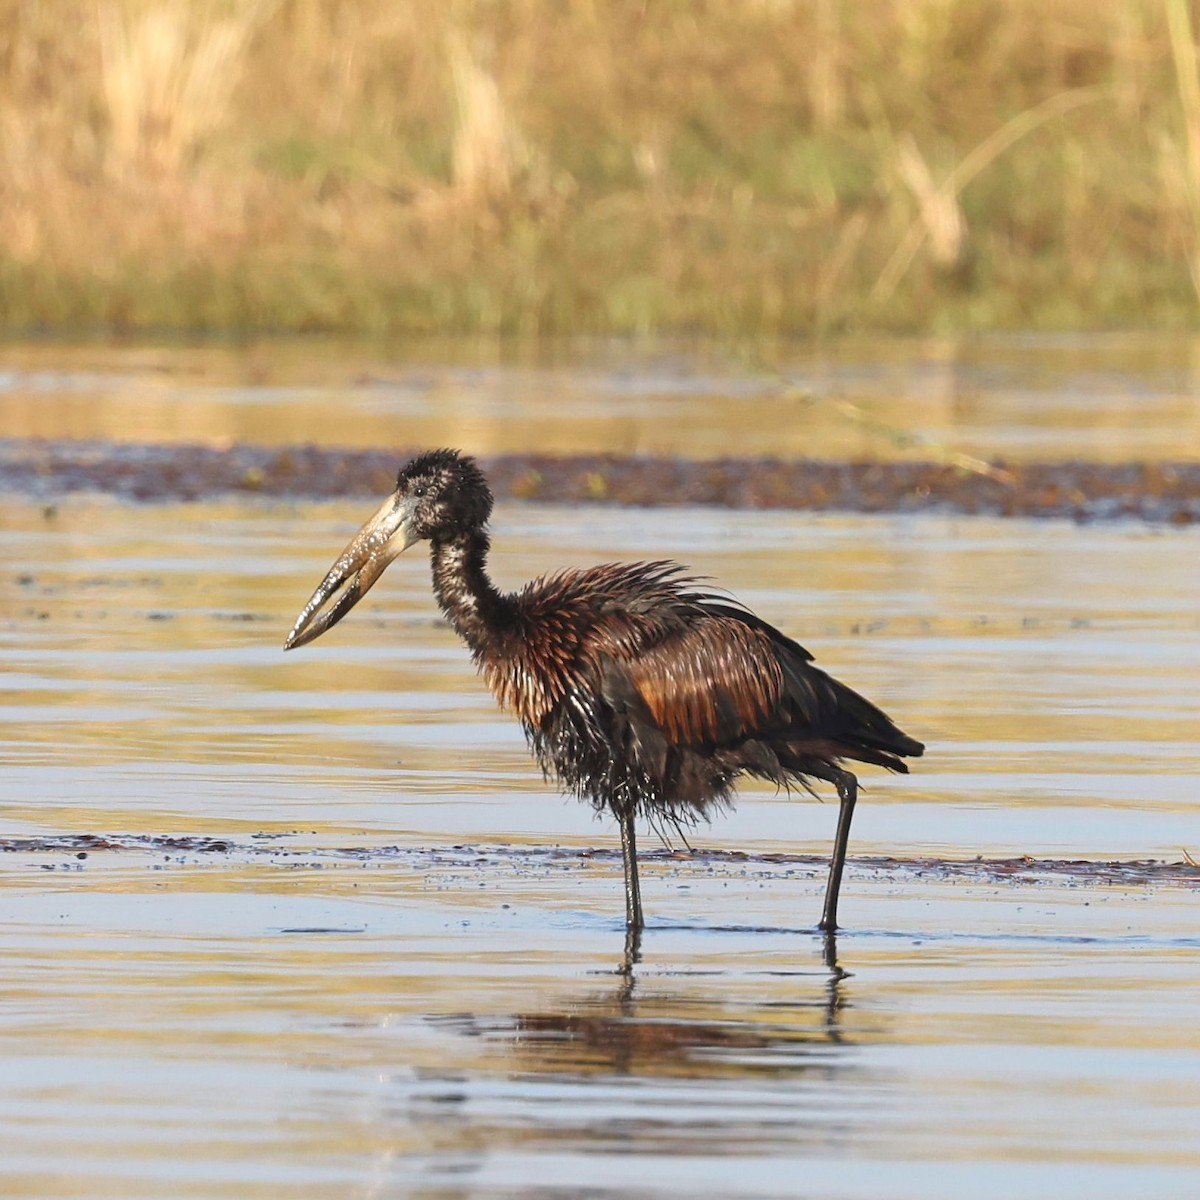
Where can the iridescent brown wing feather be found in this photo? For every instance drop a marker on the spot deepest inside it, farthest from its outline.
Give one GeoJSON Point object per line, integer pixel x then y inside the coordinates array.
{"type": "Point", "coordinates": [720, 677]}
{"type": "Point", "coordinates": [710, 684]}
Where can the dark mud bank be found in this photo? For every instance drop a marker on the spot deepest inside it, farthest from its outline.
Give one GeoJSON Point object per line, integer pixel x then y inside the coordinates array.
{"type": "Point", "coordinates": [68, 850]}
{"type": "Point", "coordinates": [1084, 491]}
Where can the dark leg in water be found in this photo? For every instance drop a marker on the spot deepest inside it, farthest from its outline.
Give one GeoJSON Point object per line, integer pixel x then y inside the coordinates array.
{"type": "Point", "coordinates": [847, 786]}
{"type": "Point", "coordinates": [633, 951]}
{"type": "Point", "coordinates": [633, 892]}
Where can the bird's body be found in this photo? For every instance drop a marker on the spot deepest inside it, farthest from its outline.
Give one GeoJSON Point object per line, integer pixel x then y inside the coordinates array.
{"type": "Point", "coordinates": [639, 690]}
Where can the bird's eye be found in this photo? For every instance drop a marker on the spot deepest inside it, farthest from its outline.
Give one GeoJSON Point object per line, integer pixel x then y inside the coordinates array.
{"type": "Point", "coordinates": [419, 490]}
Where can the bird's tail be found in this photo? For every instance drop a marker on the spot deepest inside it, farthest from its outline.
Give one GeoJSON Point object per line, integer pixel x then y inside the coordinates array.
{"type": "Point", "coordinates": [871, 734]}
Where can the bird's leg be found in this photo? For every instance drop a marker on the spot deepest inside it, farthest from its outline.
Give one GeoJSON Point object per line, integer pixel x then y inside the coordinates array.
{"type": "Point", "coordinates": [633, 954]}
{"type": "Point", "coordinates": [847, 786]}
{"type": "Point", "coordinates": [633, 892]}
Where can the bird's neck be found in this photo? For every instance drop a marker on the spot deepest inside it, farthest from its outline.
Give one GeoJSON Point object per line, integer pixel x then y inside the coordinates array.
{"type": "Point", "coordinates": [463, 590]}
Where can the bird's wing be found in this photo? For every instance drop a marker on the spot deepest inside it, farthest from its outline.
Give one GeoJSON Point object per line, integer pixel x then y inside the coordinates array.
{"type": "Point", "coordinates": [711, 681]}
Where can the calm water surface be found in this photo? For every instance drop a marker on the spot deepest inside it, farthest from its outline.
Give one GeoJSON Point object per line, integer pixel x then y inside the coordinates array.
{"type": "Point", "coordinates": [397, 974]}
{"type": "Point", "coordinates": [1020, 397]}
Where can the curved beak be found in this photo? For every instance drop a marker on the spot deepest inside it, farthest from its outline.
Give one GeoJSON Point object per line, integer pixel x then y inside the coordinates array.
{"type": "Point", "coordinates": [386, 535]}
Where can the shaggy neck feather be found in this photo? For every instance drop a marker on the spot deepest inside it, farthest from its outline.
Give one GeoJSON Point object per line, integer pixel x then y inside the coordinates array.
{"type": "Point", "coordinates": [462, 587]}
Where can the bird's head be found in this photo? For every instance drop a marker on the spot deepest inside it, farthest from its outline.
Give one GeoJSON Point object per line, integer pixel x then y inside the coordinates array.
{"type": "Point", "coordinates": [438, 496]}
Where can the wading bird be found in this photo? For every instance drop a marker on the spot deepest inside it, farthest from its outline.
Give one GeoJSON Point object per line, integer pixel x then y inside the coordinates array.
{"type": "Point", "coordinates": [640, 690]}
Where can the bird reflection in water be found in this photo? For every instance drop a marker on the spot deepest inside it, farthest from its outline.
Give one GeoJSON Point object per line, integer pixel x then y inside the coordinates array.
{"type": "Point", "coordinates": [627, 1030]}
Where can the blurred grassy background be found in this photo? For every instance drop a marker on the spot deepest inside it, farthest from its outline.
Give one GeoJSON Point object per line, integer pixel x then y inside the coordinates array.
{"type": "Point", "coordinates": [725, 166]}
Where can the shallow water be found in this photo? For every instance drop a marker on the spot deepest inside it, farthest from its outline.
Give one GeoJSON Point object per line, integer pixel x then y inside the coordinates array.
{"type": "Point", "coordinates": [1019, 397]}
{"type": "Point", "coordinates": [392, 969]}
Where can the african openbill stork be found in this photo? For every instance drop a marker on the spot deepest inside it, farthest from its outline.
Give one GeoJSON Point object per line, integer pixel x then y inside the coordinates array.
{"type": "Point", "coordinates": [639, 689]}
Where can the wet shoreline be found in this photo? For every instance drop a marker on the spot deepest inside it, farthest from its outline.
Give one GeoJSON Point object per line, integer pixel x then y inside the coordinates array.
{"type": "Point", "coordinates": [1156, 492]}
{"type": "Point", "coordinates": [184, 849]}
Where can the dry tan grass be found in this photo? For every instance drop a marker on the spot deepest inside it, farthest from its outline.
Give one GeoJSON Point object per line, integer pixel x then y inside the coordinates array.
{"type": "Point", "coordinates": [167, 75]}
{"type": "Point", "coordinates": [1186, 177]}
{"type": "Point", "coordinates": [741, 166]}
